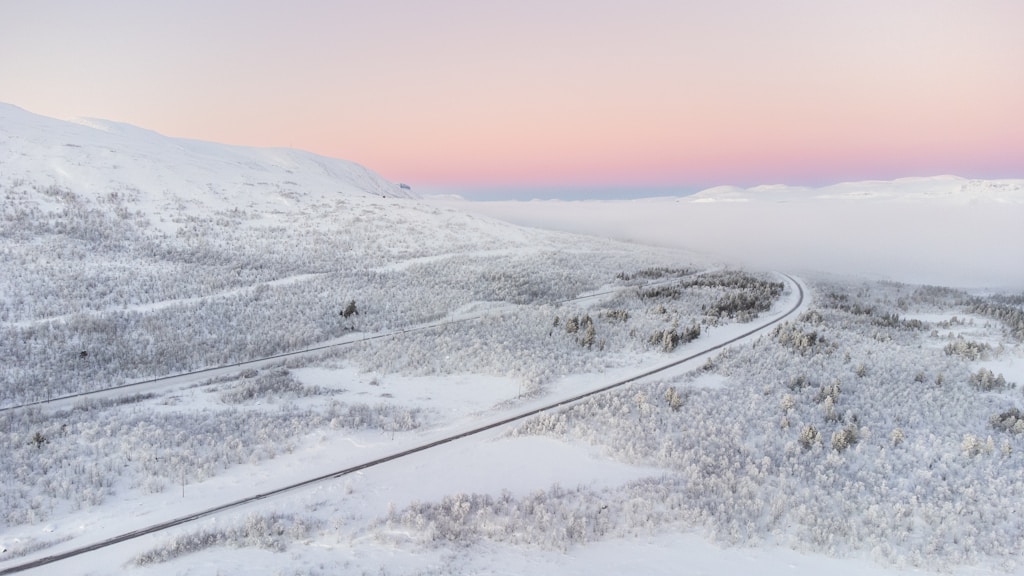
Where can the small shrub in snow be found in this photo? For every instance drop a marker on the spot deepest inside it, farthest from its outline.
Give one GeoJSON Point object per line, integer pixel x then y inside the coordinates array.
{"type": "Point", "coordinates": [274, 384]}
{"type": "Point", "coordinates": [581, 324]}
{"type": "Point", "coordinates": [896, 437]}
{"type": "Point", "coordinates": [787, 403]}
{"type": "Point", "coordinates": [349, 310]}
{"type": "Point", "coordinates": [967, 349]}
{"type": "Point", "coordinates": [973, 446]}
{"type": "Point", "coordinates": [670, 339]}
{"type": "Point", "coordinates": [809, 436]}
{"type": "Point", "coordinates": [589, 335]}
{"type": "Point", "coordinates": [572, 325]}
{"type": "Point", "coordinates": [38, 440]}
{"type": "Point", "coordinates": [674, 400]}
{"type": "Point", "coordinates": [844, 438]}
{"type": "Point", "coordinates": [1011, 421]}
{"type": "Point", "coordinates": [792, 337]}
{"type": "Point", "coordinates": [270, 532]}
{"type": "Point", "coordinates": [798, 382]}
{"type": "Point", "coordinates": [892, 320]}
{"type": "Point", "coordinates": [830, 410]}
{"type": "Point", "coordinates": [829, 393]}
{"type": "Point", "coordinates": [620, 315]}
{"type": "Point", "coordinates": [986, 381]}
{"type": "Point", "coordinates": [812, 317]}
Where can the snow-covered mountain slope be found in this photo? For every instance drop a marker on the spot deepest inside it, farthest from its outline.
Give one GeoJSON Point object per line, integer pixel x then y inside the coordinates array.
{"type": "Point", "coordinates": [115, 226]}
{"type": "Point", "coordinates": [105, 185]}
{"type": "Point", "coordinates": [97, 157]}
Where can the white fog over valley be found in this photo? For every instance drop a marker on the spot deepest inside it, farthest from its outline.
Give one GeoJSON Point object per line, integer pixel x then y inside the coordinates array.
{"type": "Point", "coordinates": [219, 359]}
{"type": "Point", "coordinates": [941, 230]}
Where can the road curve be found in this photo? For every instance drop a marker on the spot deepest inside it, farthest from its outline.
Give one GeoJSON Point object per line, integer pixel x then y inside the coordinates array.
{"type": "Point", "coordinates": [369, 464]}
{"type": "Point", "coordinates": [170, 380]}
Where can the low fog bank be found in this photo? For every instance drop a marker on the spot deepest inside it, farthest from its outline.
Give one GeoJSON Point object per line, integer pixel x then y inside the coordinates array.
{"type": "Point", "coordinates": [963, 244]}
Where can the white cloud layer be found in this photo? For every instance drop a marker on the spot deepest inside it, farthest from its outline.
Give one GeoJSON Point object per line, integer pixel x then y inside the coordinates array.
{"type": "Point", "coordinates": [943, 230]}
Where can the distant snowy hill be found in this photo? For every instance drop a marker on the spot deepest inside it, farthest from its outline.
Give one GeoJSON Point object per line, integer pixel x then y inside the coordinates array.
{"type": "Point", "coordinates": [97, 157]}
{"type": "Point", "coordinates": [947, 189]}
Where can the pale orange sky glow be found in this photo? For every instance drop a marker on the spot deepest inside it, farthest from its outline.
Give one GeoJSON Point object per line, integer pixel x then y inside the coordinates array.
{"type": "Point", "coordinates": [530, 93]}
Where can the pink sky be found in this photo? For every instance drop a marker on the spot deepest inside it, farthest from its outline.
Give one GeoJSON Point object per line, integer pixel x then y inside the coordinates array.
{"type": "Point", "coordinates": [534, 93]}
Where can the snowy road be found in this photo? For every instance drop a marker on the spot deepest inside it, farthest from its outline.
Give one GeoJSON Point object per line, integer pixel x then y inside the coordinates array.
{"type": "Point", "coordinates": [187, 379]}
{"type": "Point", "coordinates": [779, 317]}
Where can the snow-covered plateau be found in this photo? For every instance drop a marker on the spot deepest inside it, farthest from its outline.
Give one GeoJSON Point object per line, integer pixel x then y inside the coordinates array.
{"type": "Point", "coordinates": [217, 359]}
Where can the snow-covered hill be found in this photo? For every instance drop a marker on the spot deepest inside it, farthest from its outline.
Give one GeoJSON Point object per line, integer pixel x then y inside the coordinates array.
{"type": "Point", "coordinates": [97, 157]}
{"type": "Point", "coordinates": [934, 189]}
{"type": "Point", "coordinates": [213, 254]}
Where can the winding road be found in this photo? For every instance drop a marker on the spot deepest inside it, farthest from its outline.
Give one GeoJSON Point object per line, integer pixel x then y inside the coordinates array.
{"type": "Point", "coordinates": [163, 383]}
{"type": "Point", "coordinates": [401, 454]}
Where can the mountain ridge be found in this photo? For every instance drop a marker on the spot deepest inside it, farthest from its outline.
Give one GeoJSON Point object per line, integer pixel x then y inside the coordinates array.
{"type": "Point", "coordinates": [944, 187]}
{"type": "Point", "coordinates": [97, 157]}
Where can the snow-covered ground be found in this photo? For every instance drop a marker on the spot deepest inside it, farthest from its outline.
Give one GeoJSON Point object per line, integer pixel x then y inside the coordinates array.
{"type": "Point", "coordinates": [869, 433]}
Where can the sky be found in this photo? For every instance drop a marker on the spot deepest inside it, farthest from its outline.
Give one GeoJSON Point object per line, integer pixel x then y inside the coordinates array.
{"type": "Point", "coordinates": [583, 95]}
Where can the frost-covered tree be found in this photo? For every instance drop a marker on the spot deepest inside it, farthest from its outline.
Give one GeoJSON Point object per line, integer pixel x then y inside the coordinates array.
{"type": "Point", "coordinates": [572, 325]}
{"type": "Point", "coordinates": [844, 437]}
{"type": "Point", "coordinates": [986, 381]}
{"type": "Point", "coordinates": [589, 335]}
{"type": "Point", "coordinates": [809, 436]}
{"type": "Point", "coordinates": [672, 397]}
{"type": "Point", "coordinates": [349, 309]}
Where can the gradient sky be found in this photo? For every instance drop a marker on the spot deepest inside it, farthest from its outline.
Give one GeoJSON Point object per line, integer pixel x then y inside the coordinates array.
{"type": "Point", "coordinates": [525, 93]}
